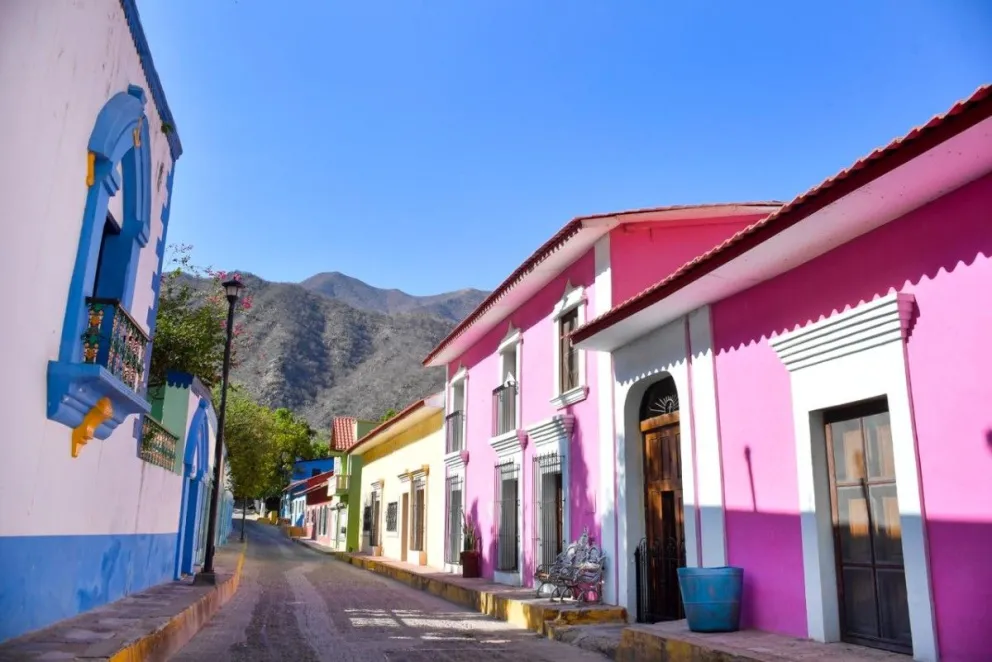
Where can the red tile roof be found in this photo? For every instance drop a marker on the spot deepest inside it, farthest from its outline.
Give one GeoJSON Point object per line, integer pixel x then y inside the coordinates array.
{"type": "Point", "coordinates": [551, 246]}
{"type": "Point", "coordinates": [343, 432]}
{"type": "Point", "coordinates": [963, 115]}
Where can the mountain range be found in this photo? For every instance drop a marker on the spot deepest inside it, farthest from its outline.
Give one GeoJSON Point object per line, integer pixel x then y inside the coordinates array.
{"type": "Point", "coordinates": [336, 346]}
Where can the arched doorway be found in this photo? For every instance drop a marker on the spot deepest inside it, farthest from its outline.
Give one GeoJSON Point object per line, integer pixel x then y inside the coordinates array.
{"type": "Point", "coordinates": [196, 495]}
{"type": "Point", "coordinates": [662, 551]}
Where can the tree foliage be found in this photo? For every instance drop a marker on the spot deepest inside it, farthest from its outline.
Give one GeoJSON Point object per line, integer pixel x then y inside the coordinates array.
{"type": "Point", "coordinates": [249, 434]}
{"type": "Point", "coordinates": [191, 323]}
{"type": "Point", "coordinates": [390, 413]}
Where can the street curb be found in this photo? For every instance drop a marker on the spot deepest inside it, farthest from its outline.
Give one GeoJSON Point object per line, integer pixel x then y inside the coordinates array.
{"type": "Point", "coordinates": [538, 616]}
{"type": "Point", "coordinates": [178, 630]}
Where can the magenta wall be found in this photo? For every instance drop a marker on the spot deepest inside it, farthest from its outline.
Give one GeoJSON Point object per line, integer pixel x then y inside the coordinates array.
{"type": "Point", "coordinates": [644, 253]}
{"type": "Point", "coordinates": [940, 253]}
{"type": "Point", "coordinates": [536, 379]}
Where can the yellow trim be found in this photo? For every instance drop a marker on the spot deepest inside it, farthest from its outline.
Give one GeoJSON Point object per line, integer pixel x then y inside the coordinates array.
{"type": "Point", "coordinates": [90, 168]}
{"type": "Point", "coordinates": [93, 419]}
{"type": "Point", "coordinates": [136, 134]}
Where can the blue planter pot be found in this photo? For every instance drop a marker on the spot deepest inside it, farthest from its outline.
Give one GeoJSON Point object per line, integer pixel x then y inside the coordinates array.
{"type": "Point", "coordinates": [712, 598]}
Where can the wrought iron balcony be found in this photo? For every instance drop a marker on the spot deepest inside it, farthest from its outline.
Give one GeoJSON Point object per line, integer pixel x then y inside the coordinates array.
{"type": "Point", "coordinates": [114, 340]}
{"type": "Point", "coordinates": [342, 483]}
{"type": "Point", "coordinates": [454, 424]}
{"type": "Point", "coordinates": [158, 445]}
{"type": "Point", "coordinates": [504, 409]}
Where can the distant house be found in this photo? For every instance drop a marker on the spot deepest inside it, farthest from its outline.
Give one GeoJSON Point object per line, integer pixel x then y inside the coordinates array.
{"type": "Point", "coordinates": [343, 487]}
{"type": "Point", "coordinates": [402, 485]}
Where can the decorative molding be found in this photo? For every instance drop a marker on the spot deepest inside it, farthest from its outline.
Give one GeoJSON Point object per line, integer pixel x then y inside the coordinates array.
{"type": "Point", "coordinates": [94, 418]}
{"type": "Point", "coordinates": [553, 433]}
{"type": "Point", "coordinates": [866, 326]}
{"type": "Point", "coordinates": [572, 298]}
{"type": "Point", "coordinates": [568, 398]}
{"type": "Point", "coordinates": [378, 484]}
{"type": "Point", "coordinates": [509, 443]}
{"type": "Point", "coordinates": [460, 375]}
{"type": "Point", "coordinates": [510, 340]}
{"type": "Point", "coordinates": [457, 460]}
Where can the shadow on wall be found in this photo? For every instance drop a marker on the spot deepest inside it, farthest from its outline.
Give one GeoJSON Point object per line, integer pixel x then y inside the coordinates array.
{"type": "Point", "coordinates": [769, 548]}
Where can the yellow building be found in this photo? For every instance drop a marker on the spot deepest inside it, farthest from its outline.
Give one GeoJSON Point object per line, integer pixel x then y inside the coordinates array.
{"type": "Point", "coordinates": [402, 485]}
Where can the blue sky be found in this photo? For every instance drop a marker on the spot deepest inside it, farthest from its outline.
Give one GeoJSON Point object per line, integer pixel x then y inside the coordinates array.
{"type": "Point", "coordinates": [432, 145]}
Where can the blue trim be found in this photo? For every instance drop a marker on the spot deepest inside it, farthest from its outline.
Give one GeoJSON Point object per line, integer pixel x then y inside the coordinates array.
{"type": "Point", "coordinates": [178, 379]}
{"type": "Point", "coordinates": [133, 19]}
{"type": "Point", "coordinates": [47, 579]}
{"type": "Point", "coordinates": [152, 318]}
{"type": "Point", "coordinates": [73, 387]}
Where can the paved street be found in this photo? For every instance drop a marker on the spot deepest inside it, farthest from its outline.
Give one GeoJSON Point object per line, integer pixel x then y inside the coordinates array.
{"type": "Point", "coordinates": [296, 605]}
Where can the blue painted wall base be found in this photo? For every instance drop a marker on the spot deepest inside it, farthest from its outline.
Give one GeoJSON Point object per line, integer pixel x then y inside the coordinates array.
{"type": "Point", "coordinates": [46, 579]}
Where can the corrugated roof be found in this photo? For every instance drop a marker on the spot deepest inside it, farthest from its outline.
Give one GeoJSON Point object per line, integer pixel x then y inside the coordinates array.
{"type": "Point", "coordinates": [551, 246]}
{"type": "Point", "coordinates": [961, 116]}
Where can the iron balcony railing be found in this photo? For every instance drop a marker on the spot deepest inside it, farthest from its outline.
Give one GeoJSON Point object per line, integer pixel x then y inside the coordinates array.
{"type": "Point", "coordinates": [454, 424]}
{"type": "Point", "coordinates": [342, 483]}
{"type": "Point", "coordinates": [504, 409]}
{"type": "Point", "coordinates": [158, 445]}
{"type": "Point", "coordinates": [114, 340]}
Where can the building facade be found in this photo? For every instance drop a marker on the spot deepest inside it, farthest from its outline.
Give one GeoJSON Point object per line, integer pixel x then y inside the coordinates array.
{"type": "Point", "coordinates": [818, 385]}
{"type": "Point", "coordinates": [529, 424]}
{"type": "Point", "coordinates": [403, 485]}
{"type": "Point", "coordinates": [344, 489]}
{"type": "Point", "coordinates": [92, 493]}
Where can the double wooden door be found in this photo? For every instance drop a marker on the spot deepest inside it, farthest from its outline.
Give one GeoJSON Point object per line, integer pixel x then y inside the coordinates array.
{"type": "Point", "coordinates": [664, 517]}
{"type": "Point", "coordinates": [871, 577]}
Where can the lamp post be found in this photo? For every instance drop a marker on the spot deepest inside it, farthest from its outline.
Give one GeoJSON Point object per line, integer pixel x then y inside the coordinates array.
{"type": "Point", "coordinates": [232, 290]}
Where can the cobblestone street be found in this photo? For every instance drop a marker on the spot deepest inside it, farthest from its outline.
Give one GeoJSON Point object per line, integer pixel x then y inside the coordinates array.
{"type": "Point", "coordinates": [296, 605]}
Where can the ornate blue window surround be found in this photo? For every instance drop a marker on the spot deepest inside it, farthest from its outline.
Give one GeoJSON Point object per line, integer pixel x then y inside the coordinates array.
{"type": "Point", "coordinates": [79, 391]}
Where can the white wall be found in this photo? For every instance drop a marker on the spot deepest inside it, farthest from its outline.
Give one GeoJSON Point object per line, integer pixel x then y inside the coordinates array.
{"type": "Point", "coordinates": [427, 450]}
{"type": "Point", "coordinates": [60, 62]}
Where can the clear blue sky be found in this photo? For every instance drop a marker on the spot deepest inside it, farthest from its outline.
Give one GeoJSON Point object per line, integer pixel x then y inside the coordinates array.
{"type": "Point", "coordinates": [432, 145]}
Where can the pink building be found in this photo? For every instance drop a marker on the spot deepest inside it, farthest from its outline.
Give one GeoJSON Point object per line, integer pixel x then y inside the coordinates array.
{"type": "Point", "coordinates": [529, 425]}
{"type": "Point", "coordinates": [827, 425]}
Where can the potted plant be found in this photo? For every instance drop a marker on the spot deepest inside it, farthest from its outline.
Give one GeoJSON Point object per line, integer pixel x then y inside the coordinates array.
{"type": "Point", "coordinates": [470, 557]}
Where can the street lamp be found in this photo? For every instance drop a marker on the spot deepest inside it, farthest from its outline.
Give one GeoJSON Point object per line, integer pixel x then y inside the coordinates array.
{"type": "Point", "coordinates": [232, 290]}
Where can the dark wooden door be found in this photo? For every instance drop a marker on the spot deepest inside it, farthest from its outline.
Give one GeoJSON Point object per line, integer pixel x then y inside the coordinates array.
{"type": "Point", "coordinates": [664, 515]}
{"type": "Point", "coordinates": [871, 577]}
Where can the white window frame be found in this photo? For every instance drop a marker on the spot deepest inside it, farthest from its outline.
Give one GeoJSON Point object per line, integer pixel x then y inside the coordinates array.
{"type": "Point", "coordinates": [849, 357]}
{"type": "Point", "coordinates": [512, 450]}
{"type": "Point", "coordinates": [512, 341]}
{"type": "Point", "coordinates": [460, 379]}
{"type": "Point", "coordinates": [574, 298]}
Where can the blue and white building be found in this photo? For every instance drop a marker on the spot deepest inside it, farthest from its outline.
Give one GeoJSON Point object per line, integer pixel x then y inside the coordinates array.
{"type": "Point", "coordinates": [98, 493]}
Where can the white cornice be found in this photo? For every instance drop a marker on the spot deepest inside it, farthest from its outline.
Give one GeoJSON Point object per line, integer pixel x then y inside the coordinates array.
{"type": "Point", "coordinates": [554, 432]}
{"type": "Point", "coordinates": [460, 375]}
{"type": "Point", "coordinates": [508, 443]}
{"type": "Point", "coordinates": [455, 460]}
{"type": "Point", "coordinates": [573, 297]}
{"type": "Point", "coordinates": [871, 324]}
{"type": "Point", "coordinates": [511, 339]}
{"type": "Point", "coordinates": [577, 394]}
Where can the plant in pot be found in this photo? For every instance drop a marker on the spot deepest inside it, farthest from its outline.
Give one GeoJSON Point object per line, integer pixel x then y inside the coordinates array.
{"type": "Point", "coordinates": [470, 557]}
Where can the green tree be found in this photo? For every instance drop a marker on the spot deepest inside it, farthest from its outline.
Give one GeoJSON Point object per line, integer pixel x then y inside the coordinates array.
{"type": "Point", "coordinates": [190, 326]}
{"type": "Point", "coordinates": [293, 439]}
{"type": "Point", "coordinates": [390, 413]}
{"type": "Point", "coordinates": [249, 434]}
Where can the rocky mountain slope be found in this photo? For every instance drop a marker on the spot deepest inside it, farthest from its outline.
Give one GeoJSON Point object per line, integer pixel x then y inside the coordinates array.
{"type": "Point", "coordinates": [334, 345]}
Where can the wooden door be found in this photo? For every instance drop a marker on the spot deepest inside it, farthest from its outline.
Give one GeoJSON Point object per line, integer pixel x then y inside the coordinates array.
{"type": "Point", "coordinates": [871, 577]}
{"type": "Point", "coordinates": [405, 527]}
{"type": "Point", "coordinates": [664, 515]}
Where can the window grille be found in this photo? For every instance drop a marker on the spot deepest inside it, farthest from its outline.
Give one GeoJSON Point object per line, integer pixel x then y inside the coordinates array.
{"type": "Point", "coordinates": [507, 508]}
{"type": "Point", "coordinates": [391, 510]}
{"type": "Point", "coordinates": [549, 501]}
{"type": "Point", "coordinates": [453, 489]}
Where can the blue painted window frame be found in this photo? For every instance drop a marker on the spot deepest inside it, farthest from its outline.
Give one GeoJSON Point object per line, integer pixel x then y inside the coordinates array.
{"type": "Point", "coordinates": [75, 387]}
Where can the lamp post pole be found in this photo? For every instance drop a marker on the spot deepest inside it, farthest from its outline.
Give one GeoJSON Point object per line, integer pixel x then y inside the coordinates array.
{"type": "Point", "coordinates": [232, 289]}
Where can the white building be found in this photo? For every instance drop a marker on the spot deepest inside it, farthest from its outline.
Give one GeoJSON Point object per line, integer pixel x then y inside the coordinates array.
{"type": "Point", "coordinates": [91, 484]}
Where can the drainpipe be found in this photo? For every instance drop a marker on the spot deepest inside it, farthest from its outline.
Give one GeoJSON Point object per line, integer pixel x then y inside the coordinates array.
{"type": "Point", "coordinates": [695, 464]}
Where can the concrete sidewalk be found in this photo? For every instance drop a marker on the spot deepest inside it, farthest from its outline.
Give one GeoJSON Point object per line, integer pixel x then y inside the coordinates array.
{"type": "Point", "coordinates": [146, 626]}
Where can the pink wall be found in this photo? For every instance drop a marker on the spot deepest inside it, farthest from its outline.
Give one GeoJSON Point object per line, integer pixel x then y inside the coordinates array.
{"type": "Point", "coordinates": [940, 253]}
{"type": "Point", "coordinates": [536, 379]}
{"type": "Point", "coordinates": [644, 253]}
